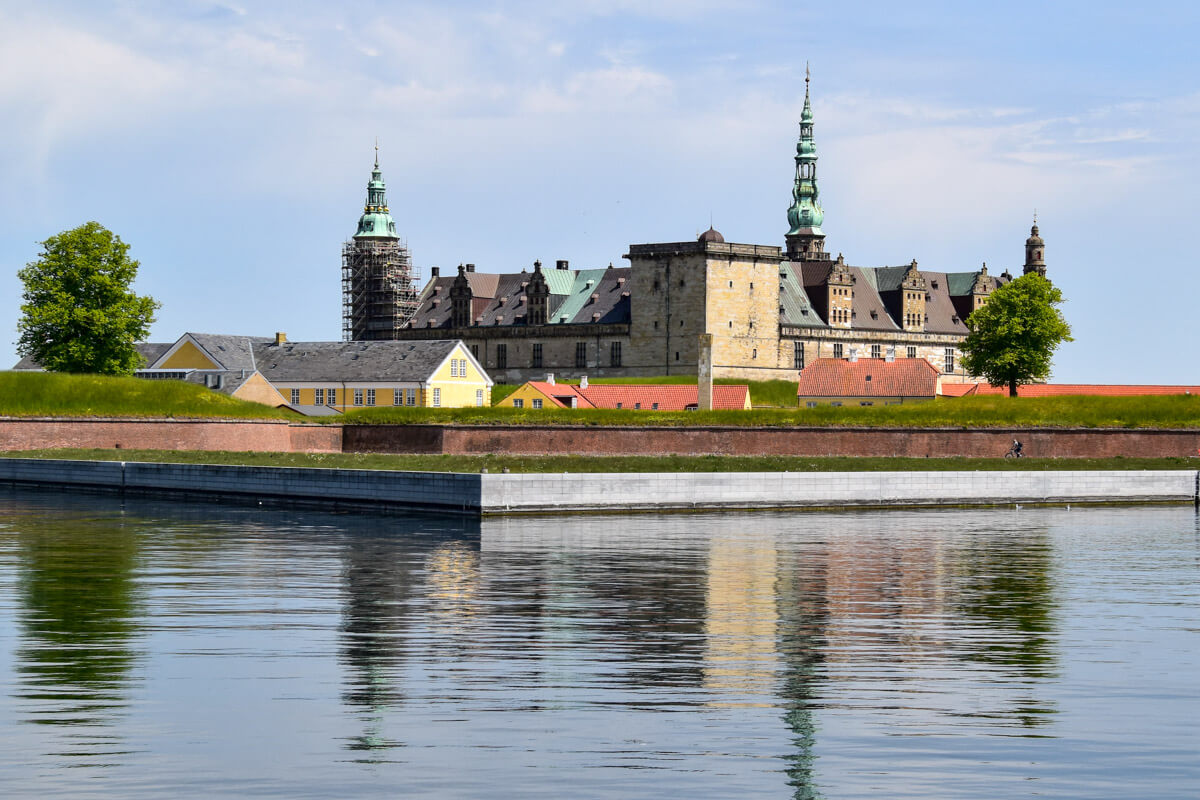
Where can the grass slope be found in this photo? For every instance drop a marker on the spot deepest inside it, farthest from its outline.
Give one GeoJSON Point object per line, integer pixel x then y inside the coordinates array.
{"type": "Point", "coordinates": [52, 394]}
{"type": "Point", "coordinates": [1172, 411]}
{"type": "Point", "coordinates": [545, 464]}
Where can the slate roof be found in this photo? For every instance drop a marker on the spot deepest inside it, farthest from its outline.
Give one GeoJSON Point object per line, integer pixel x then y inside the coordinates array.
{"type": "Point", "coordinates": [351, 361]}
{"type": "Point", "coordinates": [669, 397]}
{"type": "Point", "coordinates": [231, 352]}
{"type": "Point", "coordinates": [151, 351]}
{"type": "Point", "coordinates": [867, 308]}
{"type": "Point", "coordinates": [1061, 389]}
{"type": "Point", "coordinates": [868, 377]}
{"type": "Point", "coordinates": [942, 316]}
{"type": "Point", "coordinates": [795, 307]}
{"type": "Point", "coordinates": [501, 300]}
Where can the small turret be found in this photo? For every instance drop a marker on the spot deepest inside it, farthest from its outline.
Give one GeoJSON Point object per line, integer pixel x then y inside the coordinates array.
{"type": "Point", "coordinates": [1035, 251]}
{"type": "Point", "coordinates": [840, 298]}
{"type": "Point", "coordinates": [461, 298]}
{"type": "Point", "coordinates": [376, 222]}
{"type": "Point", "coordinates": [914, 290]}
{"type": "Point", "coordinates": [538, 295]}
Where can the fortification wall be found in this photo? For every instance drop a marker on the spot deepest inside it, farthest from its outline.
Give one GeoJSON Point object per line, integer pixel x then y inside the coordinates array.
{"type": "Point", "coordinates": [279, 436]}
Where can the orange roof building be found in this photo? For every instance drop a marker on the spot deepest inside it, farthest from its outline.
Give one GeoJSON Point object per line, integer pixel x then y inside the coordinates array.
{"type": "Point", "coordinates": [867, 381]}
{"type": "Point", "coordinates": [1062, 389]}
{"type": "Point", "coordinates": [645, 397]}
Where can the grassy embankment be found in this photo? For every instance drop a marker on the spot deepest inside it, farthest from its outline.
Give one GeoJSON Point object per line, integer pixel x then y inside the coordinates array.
{"type": "Point", "coordinates": [1175, 411]}
{"type": "Point", "coordinates": [48, 394]}
{"type": "Point", "coordinates": [497, 463]}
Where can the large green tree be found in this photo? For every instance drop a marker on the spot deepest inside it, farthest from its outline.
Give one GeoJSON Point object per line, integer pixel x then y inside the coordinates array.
{"type": "Point", "coordinates": [79, 314]}
{"type": "Point", "coordinates": [1015, 333]}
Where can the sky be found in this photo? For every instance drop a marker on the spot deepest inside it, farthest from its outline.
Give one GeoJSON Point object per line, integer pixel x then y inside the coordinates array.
{"type": "Point", "coordinates": [229, 144]}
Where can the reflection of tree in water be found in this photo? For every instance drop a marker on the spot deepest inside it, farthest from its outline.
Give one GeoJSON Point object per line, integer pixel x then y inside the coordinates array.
{"type": "Point", "coordinates": [78, 620]}
{"type": "Point", "coordinates": [802, 591]}
{"type": "Point", "coordinates": [1008, 588]}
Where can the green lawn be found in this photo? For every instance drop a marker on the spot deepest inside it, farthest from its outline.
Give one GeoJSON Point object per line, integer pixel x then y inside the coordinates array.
{"type": "Point", "coordinates": [51, 394]}
{"type": "Point", "coordinates": [495, 463]}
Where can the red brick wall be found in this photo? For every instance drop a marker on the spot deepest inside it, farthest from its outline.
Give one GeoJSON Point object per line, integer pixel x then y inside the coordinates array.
{"type": "Point", "coordinates": [158, 434]}
{"type": "Point", "coordinates": [1056, 443]}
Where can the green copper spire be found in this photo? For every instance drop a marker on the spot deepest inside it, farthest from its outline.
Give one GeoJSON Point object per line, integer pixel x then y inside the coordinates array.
{"type": "Point", "coordinates": [376, 222]}
{"type": "Point", "coordinates": [805, 215]}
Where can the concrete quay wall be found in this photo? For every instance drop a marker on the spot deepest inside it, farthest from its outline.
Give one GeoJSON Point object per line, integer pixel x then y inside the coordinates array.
{"type": "Point", "coordinates": [344, 488]}
{"type": "Point", "coordinates": [498, 494]}
{"type": "Point", "coordinates": [880, 442]}
{"type": "Point", "coordinates": [270, 435]}
{"type": "Point", "coordinates": [575, 492]}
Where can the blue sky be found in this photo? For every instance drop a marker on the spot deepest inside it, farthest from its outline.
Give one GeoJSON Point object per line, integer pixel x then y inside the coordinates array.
{"type": "Point", "coordinates": [230, 143]}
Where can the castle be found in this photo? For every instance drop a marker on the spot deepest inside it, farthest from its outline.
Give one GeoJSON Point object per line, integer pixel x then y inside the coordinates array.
{"type": "Point", "coordinates": [768, 310]}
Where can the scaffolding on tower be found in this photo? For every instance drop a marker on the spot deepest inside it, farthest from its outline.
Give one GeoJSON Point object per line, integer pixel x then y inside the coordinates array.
{"type": "Point", "coordinates": [379, 294]}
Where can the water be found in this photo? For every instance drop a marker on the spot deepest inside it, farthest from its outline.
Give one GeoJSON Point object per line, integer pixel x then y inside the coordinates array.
{"type": "Point", "coordinates": [151, 649]}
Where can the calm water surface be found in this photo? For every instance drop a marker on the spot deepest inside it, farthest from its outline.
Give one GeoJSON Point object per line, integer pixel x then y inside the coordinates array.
{"type": "Point", "coordinates": [153, 649]}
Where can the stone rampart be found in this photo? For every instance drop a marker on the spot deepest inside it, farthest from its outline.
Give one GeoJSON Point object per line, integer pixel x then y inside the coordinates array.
{"type": "Point", "coordinates": [879, 442]}
{"type": "Point", "coordinates": [278, 436]}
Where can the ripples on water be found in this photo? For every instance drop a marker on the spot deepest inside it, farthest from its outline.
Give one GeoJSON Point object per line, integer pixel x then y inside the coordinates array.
{"type": "Point", "coordinates": [151, 649]}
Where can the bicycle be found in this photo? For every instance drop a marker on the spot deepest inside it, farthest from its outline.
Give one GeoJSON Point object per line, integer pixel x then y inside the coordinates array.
{"type": "Point", "coordinates": [1016, 451]}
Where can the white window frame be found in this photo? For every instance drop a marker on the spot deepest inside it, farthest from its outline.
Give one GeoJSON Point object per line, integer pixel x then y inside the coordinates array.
{"type": "Point", "coordinates": [479, 397]}
{"type": "Point", "coordinates": [537, 402]}
{"type": "Point", "coordinates": [358, 397]}
{"type": "Point", "coordinates": [518, 402]}
{"type": "Point", "coordinates": [319, 397]}
{"type": "Point", "coordinates": [397, 397]}
{"type": "Point", "coordinates": [331, 397]}
{"type": "Point", "coordinates": [410, 397]}
{"type": "Point", "coordinates": [437, 397]}
{"type": "Point", "coordinates": [370, 397]}
{"type": "Point", "coordinates": [295, 397]}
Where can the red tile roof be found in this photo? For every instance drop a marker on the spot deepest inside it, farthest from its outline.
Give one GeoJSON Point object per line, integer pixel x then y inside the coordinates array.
{"type": "Point", "coordinates": [1061, 389]}
{"type": "Point", "coordinates": [868, 377]}
{"type": "Point", "coordinates": [669, 397]}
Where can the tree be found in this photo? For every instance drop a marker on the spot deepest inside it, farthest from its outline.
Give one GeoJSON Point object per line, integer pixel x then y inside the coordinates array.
{"type": "Point", "coordinates": [79, 314]}
{"type": "Point", "coordinates": [1015, 333]}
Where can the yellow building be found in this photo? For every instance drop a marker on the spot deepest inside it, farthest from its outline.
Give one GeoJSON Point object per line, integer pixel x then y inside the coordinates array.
{"type": "Point", "coordinates": [327, 377]}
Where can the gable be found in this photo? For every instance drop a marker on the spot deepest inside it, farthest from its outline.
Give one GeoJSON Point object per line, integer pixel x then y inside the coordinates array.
{"type": "Point", "coordinates": [188, 356]}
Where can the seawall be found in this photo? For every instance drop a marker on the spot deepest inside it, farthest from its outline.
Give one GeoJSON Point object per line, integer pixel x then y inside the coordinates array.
{"type": "Point", "coordinates": [489, 494]}
{"type": "Point", "coordinates": [258, 435]}
{"type": "Point", "coordinates": [880, 442]}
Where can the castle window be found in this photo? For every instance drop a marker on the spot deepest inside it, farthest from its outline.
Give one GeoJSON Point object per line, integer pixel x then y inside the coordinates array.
{"type": "Point", "coordinates": [731, 284]}
{"type": "Point", "coordinates": [676, 355]}
{"type": "Point", "coordinates": [295, 397]}
{"type": "Point", "coordinates": [614, 354]}
{"type": "Point", "coordinates": [537, 355]}
{"type": "Point", "coordinates": [581, 354]}
{"type": "Point", "coordinates": [475, 351]}
{"type": "Point", "coordinates": [949, 359]}
{"type": "Point", "coordinates": [370, 397]}
{"type": "Point", "coordinates": [797, 355]}
{"type": "Point", "coordinates": [754, 353]}
{"type": "Point", "coordinates": [912, 351]}
{"type": "Point", "coordinates": [501, 356]}
{"type": "Point", "coordinates": [875, 351]}
{"type": "Point", "coordinates": [837, 350]}
{"type": "Point", "coordinates": [655, 324]}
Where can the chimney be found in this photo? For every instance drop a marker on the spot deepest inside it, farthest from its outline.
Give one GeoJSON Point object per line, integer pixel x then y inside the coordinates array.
{"type": "Point", "coordinates": [853, 354]}
{"type": "Point", "coordinates": [470, 267]}
{"type": "Point", "coordinates": [280, 337]}
{"type": "Point", "coordinates": [583, 382]}
{"type": "Point", "coordinates": [704, 376]}
{"type": "Point", "coordinates": [550, 378]}
{"type": "Point", "coordinates": [435, 272]}
{"type": "Point", "coordinates": [891, 353]}
{"type": "Point", "coordinates": [560, 264]}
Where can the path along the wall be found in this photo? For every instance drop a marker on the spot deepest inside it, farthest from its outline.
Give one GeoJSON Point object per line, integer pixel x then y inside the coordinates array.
{"type": "Point", "coordinates": [486, 494]}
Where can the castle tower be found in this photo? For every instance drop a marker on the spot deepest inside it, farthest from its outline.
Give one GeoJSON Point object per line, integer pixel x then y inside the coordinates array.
{"type": "Point", "coordinates": [378, 291]}
{"type": "Point", "coordinates": [805, 239]}
{"type": "Point", "coordinates": [461, 299]}
{"type": "Point", "coordinates": [1035, 251]}
{"type": "Point", "coordinates": [914, 288]}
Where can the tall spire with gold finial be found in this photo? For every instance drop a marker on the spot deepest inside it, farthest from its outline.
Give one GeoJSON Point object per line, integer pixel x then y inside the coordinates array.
{"type": "Point", "coordinates": [376, 221]}
{"type": "Point", "coordinates": [805, 238]}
